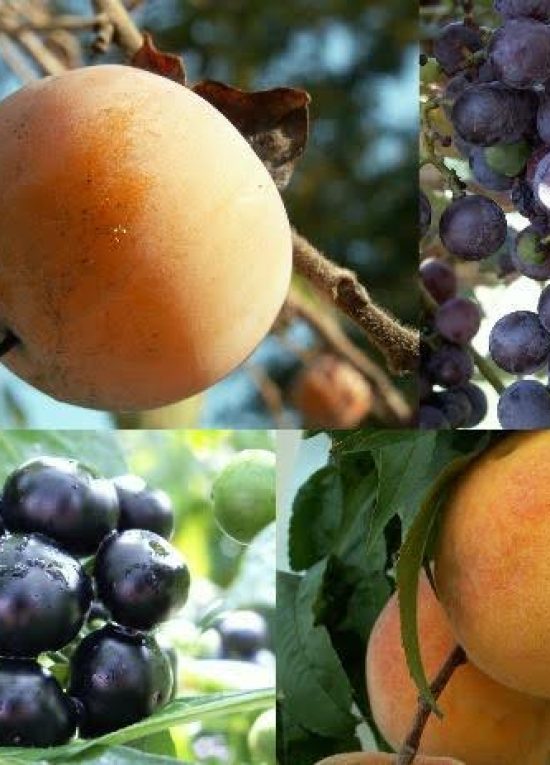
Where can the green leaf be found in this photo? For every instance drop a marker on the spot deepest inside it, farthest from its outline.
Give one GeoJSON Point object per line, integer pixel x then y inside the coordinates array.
{"type": "Point", "coordinates": [178, 712]}
{"type": "Point", "coordinates": [411, 559]}
{"type": "Point", "coordinates": [157, 743]}
{"type": "Point", "coordinates": [123, 755]}
{"type": "Point", "coordinates": [97, 449]}
{"type": "Point", "coordinates": [310, 677]}
{"type": "Point", "coordinates": [369, 439]}
{"type": "Point", "coordinates": [316, 516]}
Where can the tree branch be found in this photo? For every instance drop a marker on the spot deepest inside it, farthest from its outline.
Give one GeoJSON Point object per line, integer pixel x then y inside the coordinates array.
{"type": "Point", "coordinates": [127, 34]}
{"type": "Point", "coordinates": [393, 405]}
{"type": "Point", "coordinates": [399, 345]}
{"type": "Point", "coordinates": [409, 749]}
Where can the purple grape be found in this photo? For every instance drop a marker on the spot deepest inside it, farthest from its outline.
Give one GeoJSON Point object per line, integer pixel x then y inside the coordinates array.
{"type": "Point", "coordinates": [523, 198]}
{"type": "Point", "coordinates": [515, 9]}
{"type": "Point", "coordinates": [458, 320]}
{"type": "Point", "coordinates": [455, 88]}
{"type": "Point", "coordinates": [455, 43]}
{"type": "Point", "coordinates": [525, 405]}
{"type": "Point", "coordinates": [538, 177]}
{"type": "Point", "coordinates": [478, 402]}
{"type": "Point", "coordinates": [518, 343]}
{"type": "Point", "coordinates": [455, 406]}
{"type": "Point", "coordinates": [520, 53]}
{"type": "Point", "coordinates": [431, 418]}
{"type": "Point", "coordinates": [438, 278]}
{"type": "Point", "coordinates": [473, 227]}
{"type": "Point", "coordinates": [543, 119]}
{"type": "Point", "coordinates": [544, 308]}
{"type": "Point", "coordinates": [530, 256]}
{"type": "Point", "coordinates": [485, 175]}
{"type": "Point", "coordinates": [425, 213]}
{"type": "Point", "coordinates": [450, 365]}
{"type": "Point", "coordinates": [489, 113]}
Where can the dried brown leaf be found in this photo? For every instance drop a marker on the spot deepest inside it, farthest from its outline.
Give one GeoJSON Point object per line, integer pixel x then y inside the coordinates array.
{"type": "Point", "coordinates": [274, 122]}
{"type": "Point", "coordinates": [153, 60]}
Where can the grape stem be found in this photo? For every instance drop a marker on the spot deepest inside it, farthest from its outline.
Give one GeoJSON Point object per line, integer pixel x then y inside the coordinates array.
{"type": "Point", "coordinates": [429, 146]}
{"type": "Point", "coordinates": [410, 746]}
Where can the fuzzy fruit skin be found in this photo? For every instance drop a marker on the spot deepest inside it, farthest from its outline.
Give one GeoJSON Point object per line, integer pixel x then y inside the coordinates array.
{"type": "Point", "coordinates": [153, 224]}
{"type": "Point", "coordinates": [140, 578]}
{"type": "Point", "coordinates": [492, 564]}
{"type": "Point", "coordinates": [119, 677]}
{"type": "Point", "coordinates": [44, 596]}
{"type": "Point", "coordinates": [59, 498]}
{"type": "Point", "coordinates": [484, 723]}
{"type": "Point", "coordinates": [34, 709]}
{"type": "Point", "coordinates": [379, 758]}
{"type": "Point", "coordinates": [142, 507]}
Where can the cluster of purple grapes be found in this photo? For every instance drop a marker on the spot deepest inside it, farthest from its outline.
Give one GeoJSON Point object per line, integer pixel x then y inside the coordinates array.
{"type": "Point", "coordinates": [497, 100]}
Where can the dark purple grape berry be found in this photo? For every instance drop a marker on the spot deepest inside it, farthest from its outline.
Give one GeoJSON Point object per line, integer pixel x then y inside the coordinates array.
{"type": "Point", "coordinates": [515, 9]}
{"type": "Point", "coordinates": [543, 119]}
{"type": "Point", "coordinates": [59, 498]}
{"type": "Point", "coordinates": [438, 278]}
{"type": "Point", "coordinates": [242, 633]}
{"type": "Point", "coordinates": [538, 177]}
{"type": "Point", "coordinates": [44, 596]}
{"type": "Point", "coordinates": [142, 507]}
{"type": "Point", "coordinates": [425, 214]}
{"type": "Point", "coordinates": [520, 52]}
{"type": "Point", "coordinates": [478, 402]}
{"type": "Point", "coordinates": [489, 113]}
{"type": "Point", "coordinates": [450, 365]}
{"type": "Point", "coordinates": [473, 227]}
{"type": "Point", "coordinates": [525, 405]}
{"type": "Point", "coordinates": [485, 175]}
{"type": "Point", "coordinates": [455, 44]}
{"type": "Point", "coordinates": [523, 198]}
{"type": "Point", "coordinates": [141, 578]}
{"type": "Point", "coordinates": [431, 418]}
{"type": "Point", "coordinates": [458, 320]}
{"type": "Point", "coordinates": [455, 406]}
{"type": "Point", "coordinates": [544, 308]}
{"type": "Point", "coordinates": [119, 677]}
{"type": "Point", "coordinates": [518, 343]}
{"type": "Point", "coordinates": [34, 711]}
{"type": "Point", "coordinates": [530, 256]}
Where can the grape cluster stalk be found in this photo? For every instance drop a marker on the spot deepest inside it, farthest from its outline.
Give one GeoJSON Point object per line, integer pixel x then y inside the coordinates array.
{"type": "Point", "coordinates": [486, 102]}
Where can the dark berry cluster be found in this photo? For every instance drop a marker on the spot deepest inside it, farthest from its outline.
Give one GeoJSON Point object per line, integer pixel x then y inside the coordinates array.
{"type": "Point", "coordinates": [55, 511]}
{"type": "Point", "coordinates": [495, 94]}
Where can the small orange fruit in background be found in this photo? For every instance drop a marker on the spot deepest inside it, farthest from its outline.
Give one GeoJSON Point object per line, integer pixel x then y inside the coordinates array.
{"type": "Point", "coordinates": [331, 393]}
{"type": "Point", "coordinates": [145, 250]}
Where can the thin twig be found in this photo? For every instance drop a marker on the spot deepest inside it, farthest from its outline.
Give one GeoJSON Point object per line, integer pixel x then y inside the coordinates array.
{"type": "Point", "coordinates": [409, 748]}
{"type": "Point", "coordinates": [69, 23]}
{"type": "Point", "coordinates": [399, 344]}
{"type": "Point", "coordinates": [394, 405]}
{"type": "Point", "coordinates": [127, 34]}
{"type": "Point", "coordinates": [270, 393]}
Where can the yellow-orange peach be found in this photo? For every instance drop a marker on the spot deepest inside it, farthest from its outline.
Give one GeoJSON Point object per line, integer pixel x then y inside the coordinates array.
{"type": "Point", "coordinates": [331, 393]}
{"type": "Point", "coordinates": [484, 723]}
{"type": "Point", "coordinates": [379, 758]}
{"type": "Point", "coordinates": [492, 563]}
{"type": "Point", "coordinates": [144, 248]}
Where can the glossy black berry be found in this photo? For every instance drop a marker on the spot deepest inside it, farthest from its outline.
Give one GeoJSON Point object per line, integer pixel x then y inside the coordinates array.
{"type": "Point", "coordinates": [61, 499]}
{"type": "Point", "coordinates": [34, 711]}
{"type": "Point", "coordinates": [141, 578]}
{"type": "Point", "coordinates": [119, 677]}
{"type": "Point", "coordinates": [142, 507]}
{"type": "Point", "coordinates": [242, 633]}
{"type": "Point", "coordinates": [44, 596]}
